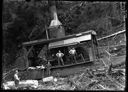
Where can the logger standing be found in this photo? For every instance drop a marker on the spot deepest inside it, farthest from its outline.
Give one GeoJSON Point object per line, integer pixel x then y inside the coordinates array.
{"type": "Point", "coordinates": [59, 56]}
{"type": "Point", "coordinates": [72, 52]}
{"type": "Point", "coordinates": [16, 79]}
{"type": "Point", "coordinates": [49, 68]}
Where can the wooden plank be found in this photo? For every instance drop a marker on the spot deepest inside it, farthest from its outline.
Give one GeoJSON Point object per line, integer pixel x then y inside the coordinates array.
{"type": "Point", "coordinates": [93, 49]}
{"type": "Point", "coordinates": [91, 54]}
{"type": "Point", "coordinates": [46, 33]}
{"type": "Point", "coordinates": [70, 41]}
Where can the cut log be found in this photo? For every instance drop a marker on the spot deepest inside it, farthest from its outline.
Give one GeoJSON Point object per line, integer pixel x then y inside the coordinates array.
{"type": "Point", "coordinates": [31, 83]}
{"type": "Point", "coordinates": [22, 84]}
{"type": "Point", "coordinates": [48, 79]}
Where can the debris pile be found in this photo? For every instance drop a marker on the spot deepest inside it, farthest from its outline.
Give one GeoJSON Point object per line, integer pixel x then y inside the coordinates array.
{"type": "Point", "coordinates": [91, 78]}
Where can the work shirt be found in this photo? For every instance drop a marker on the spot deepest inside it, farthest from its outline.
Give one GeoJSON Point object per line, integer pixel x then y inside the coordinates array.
{"type": "Point", "coordinates": [16, 77]}
{"type": "Point", "coordinates": [59, 54]}
{"type": "Point", "coordinates": [72, 51]}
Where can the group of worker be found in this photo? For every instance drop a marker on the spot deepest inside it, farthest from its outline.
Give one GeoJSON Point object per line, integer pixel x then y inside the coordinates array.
{"type": "Point", "coordinates": [59, 55]}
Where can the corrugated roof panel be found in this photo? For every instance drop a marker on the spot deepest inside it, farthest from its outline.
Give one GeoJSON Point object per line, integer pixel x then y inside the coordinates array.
{"type": "Point", "coordinates": [70, 41]}
{"type": "Point", "coordinates": [54, 44]}
{"type": "Point", "coordinates": [83, 38]}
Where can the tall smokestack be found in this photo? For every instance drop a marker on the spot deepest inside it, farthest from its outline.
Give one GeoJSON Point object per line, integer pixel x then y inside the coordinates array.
{"type": "Point", "coordinates": [56, 29]}
{"type": "Point", "coordinates": [55, 21]}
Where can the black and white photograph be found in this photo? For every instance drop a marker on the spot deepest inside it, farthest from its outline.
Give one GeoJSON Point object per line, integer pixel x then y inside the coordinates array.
{"type": "Point", "coordinates": [63, 45]}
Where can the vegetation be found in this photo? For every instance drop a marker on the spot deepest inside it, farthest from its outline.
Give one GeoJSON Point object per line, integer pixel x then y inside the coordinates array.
{"type": "Point", "coordinates": [27, 20]}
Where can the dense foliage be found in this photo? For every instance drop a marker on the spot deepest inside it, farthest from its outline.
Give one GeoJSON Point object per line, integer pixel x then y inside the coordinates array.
{"type": "Point", "coordinates": [27, 20]}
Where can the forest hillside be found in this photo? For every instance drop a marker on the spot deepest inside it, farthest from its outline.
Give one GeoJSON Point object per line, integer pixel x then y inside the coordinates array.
{"type": "Point", "coordinates": [27, 20]}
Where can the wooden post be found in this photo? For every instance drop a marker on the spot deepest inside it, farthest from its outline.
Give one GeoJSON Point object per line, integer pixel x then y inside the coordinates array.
{"type": "Point", "coordinates": [97, 47]}
{"type": "Point", "coordinates": [108, 50]}
{"type": "Point", "coordinates": [75, 59]}
{"type": "Point", "coordinates": [46, 33]}
{"type": "Point", "coordinates": [90, 54]}
{"type": "Point", "coordinates": [25, 56]}
{"type": "Point", "coordinates": [93, 52]}
{"type": "Point", "coordinates": [82, 57]}
{"type": "Point", "coordinates": [43, 74]}
{"type": "Point", "coordinates": [124, 37]}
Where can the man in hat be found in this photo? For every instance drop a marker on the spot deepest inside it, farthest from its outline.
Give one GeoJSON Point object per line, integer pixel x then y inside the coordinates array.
{"type": "Point", "coordinates": [59, 56]}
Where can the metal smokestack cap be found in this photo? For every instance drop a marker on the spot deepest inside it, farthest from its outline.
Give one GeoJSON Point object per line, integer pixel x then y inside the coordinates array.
{"type": "Point", "coordinates": [55, 23]}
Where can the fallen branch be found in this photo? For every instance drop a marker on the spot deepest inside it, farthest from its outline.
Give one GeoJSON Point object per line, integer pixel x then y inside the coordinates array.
{"type": "Point", "coordinates": [81, 76]}
{"type": "Point", "coordinates": [104, 63]}
{"type": "Point", "coordinates": [117, 83]}
{"type": "Point", "coordinates": [5, 75]}
{"type": "Point", "coordinates": [112, 35]}
{"type": "Point", "coordinates": [107, 52]}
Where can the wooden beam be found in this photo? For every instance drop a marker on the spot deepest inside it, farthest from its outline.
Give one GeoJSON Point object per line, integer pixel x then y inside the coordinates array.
{"type": "Point", "coordinates": [55, 39]}
{"type": "Point", "coordinates": [46, 32]}
{"type": "Point", "coordinates": [97, 45]}
{"type": "Point", "coordinates": [93, 48]}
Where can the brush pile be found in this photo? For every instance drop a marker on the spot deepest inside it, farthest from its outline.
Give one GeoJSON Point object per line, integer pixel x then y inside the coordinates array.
{"type": "Point", "coordinates": [89, 79]}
